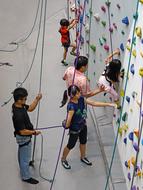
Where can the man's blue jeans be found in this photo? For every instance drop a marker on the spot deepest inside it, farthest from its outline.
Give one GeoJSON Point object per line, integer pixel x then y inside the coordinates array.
{"type": "Point", "coordinates": [24, 155]}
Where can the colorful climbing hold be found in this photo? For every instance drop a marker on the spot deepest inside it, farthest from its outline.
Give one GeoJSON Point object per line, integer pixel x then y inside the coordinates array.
{"type": "Point", "coordinates": [141, 72]}
{"type": "Point", "coordinates": [103, 23]}
{"type": "Point", "coordinates": [122, 94]}
{"type": "Point", "coordinates": [136, 147]}
{"type": "Point", "coordinates": [136, 132]}
{"type": "Point", "coordinates": [131, 136]}
{"type": "Point", "coordinates": [97, 17]}
{"type": "Point", "coordinates": [125, 21]}
{"type": "Point", "coordinates": [134, 53]}
{"type": "Point", "coordinates": [106, 47]}
{"type": "Point", "coordinates": [93, 47]}
{"type": "Point", "coordinates": [129, 176]}
{"type": "Point", "coordinates": [122, 47]}
{"type": "Point", "coordinates": [118, 6]}
{"type": "Point", "coordinates": [128, 99]}
{"type": "Point", "coordinates": [125, 140]}
{"type": "Point", "coordinates": [124, 117]}
{"type": "Point", "coordinates": [138, 31]}
{"type": "Point", "coordinates": [103, 9]}
{"type": "Point", "coordinates": [132, 69]}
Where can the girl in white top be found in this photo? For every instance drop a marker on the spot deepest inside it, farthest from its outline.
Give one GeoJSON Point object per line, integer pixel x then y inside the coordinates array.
{"type": "Point", "coordinates": [111, 75]}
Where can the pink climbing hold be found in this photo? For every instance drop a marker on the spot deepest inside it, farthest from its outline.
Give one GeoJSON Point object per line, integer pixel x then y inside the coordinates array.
{"type": "Point", "coordinates": [106, 47]}
{"type": "Point", "coordinates": [103, 9]}
{"type": "Point", "coordinates": [115, 26]}
{"type": "Point", "coordinates": [111, 29]}
{"type": "Point", "coordinates": [118, 6]}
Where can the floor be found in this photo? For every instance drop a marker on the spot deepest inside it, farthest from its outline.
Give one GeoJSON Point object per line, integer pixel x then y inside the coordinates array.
{"type": "Point", "coordinates": [100, 133]}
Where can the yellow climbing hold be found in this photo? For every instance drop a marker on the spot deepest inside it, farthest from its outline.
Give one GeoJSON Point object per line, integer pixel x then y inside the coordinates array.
{"type": "Point", "coordinates": [141, 72]}
{"type": "Point", "coordinates": [138, 31]}
{"type": "Point", "coordinates": [134, 53]}
{"type": "Point", "coordinates": [141, 1]}
{"type": "Point", "coordinates": [141, 53]}
{"type": "Point", "coordinates": [120, 131]}
{"type": "Point", "coordinates": [125, 127]}
{"type": "Point", "coordinates": [122, 94]}
{"type": "Point", "coordinates": [133, 160]}
{"type": "Point", "coordinates": [128, 47]}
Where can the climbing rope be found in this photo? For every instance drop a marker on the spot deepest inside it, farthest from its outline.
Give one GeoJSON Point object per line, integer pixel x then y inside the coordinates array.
{"type": "Point", "coordinates": [78, 47]}
{"type": "Point", "coordinates": [24, 39]}
{"type": "Point", "coordinates": [116, 138]}
{"type": "Point", "coordinates": [41, 73]}
{"type": "Point", "coordinates": [37, 41]}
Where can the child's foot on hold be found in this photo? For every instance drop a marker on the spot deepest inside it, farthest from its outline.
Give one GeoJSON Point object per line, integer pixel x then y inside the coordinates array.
{"type": "Point", "coordinates": [64, 62]}
{"type": "Point", "coordinates": [86, 161]}
{"type": "Point", "coordinates": [73, 53]}
{"type": "Point", "coordinates": [65, 164]}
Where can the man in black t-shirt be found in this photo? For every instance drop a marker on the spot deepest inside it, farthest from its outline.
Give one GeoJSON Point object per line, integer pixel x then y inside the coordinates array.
{"type": "Point", "coordinates": [24, 131]}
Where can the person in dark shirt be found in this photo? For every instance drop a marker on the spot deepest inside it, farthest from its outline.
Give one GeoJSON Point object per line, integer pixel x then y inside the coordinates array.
{"type": "Point", "coordinates": [24, 131]}
{"type": "Point", "coordinates": [76, 122]}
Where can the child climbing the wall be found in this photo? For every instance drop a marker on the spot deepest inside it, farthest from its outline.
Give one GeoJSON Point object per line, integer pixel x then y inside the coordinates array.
{"type": "Point", "coordinates": [76, 122]}
{"type": "Point", "coordinates": [65, 38]}
{"type": "Point", "coordinates": [111, 75]}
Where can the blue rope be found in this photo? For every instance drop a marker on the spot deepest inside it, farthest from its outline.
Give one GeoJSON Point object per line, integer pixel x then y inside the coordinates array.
{"type": "Point", "coordinates": [116, 139]}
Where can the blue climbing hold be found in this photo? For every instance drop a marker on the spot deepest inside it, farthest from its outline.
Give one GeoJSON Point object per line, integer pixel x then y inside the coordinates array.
{"type": "Point", "coordinates": [122, 47]}
{"type": "Point", "coordinates": [132, 69]}
{"type": "Point", "coordinates": [125, 21]}
{"type": "Point", "coordinates": [136, 147]}
{"type": "Point", "coordinates": [128, 99]}
{"type": "Point", "coordinates": [126, 164]}
{"type": "Point", "coordinates": [81, 19]}
{"type": "Point", "coordinates": [131, 136]}
{"type": "Point", "coordinates": [125, 140]}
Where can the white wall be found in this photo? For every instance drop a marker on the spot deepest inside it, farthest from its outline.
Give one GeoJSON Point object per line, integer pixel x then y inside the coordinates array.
{"type": "Point", "coordinates": [96, 64]}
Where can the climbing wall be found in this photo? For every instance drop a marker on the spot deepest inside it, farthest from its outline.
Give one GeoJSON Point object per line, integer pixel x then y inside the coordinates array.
{"type": "Point", "coordinates": [129, 119]}
{"type": "Point", "coordinates": [106, 27]}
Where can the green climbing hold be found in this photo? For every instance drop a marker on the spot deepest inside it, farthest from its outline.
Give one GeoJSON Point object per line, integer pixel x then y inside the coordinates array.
{"type": "Point", "coordinates": [101, 41]}
{"type": "Point", "coordinates": [124, 117]}
{"type": "Point", "coordinates": [104, 39]}
{"type": "Point", "coordinates": [93, 47]}
{"type": "Point", "coordinates": [118, 121]}
{"type": "Point", "coordinates": [122, 32]}
{"type": "Point", "coordinates": [135, 16]}
{"type": "Point", "coordinates": [103, 23]}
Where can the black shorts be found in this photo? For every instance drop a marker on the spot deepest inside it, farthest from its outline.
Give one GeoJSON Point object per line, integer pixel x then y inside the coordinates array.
{"type": "Point", "coordinates": [82, 135]}
{"type": "Point", "coordinates": [66, 45]}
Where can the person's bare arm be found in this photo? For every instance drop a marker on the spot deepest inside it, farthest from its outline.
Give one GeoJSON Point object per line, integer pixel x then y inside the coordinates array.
{"type": "Point", "coordinates": [110, 57]}
{"type": "Point", "coordinates": [29, 132]}
{"type": "Point", "coordinates": [35, 102]}
{"type": "Point", "coordinates": [69, 118]}
{"type": "Point", "coordinates": [100, 104]}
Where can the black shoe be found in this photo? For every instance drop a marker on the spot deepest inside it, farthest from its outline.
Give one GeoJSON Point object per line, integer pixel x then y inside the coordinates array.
{"type": "Point", "coordinates": [65, 164]}
{"type": "Point", "coordinates": [31, 181]}
{"type": "Point", "coordinates": [86, 161]}
{"type": "Point", "coordinates": [64, 63]}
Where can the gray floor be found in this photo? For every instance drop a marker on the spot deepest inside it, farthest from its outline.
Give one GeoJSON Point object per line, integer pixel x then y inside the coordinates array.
{"type": "Point", "coordinates": [80, 176]}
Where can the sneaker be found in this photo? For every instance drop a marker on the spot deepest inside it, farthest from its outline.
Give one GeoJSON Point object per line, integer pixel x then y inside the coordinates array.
{"type": "Point", "coordinates": [65, 164]}
{"type": "Point", "coordinates": [86, 161]}
{"type": "Point", "coordinates": [64, 63]}
{"type": "Point", "coordinates": [31, 180]}
{"type": "Point", "coordinates": [73, 53]}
